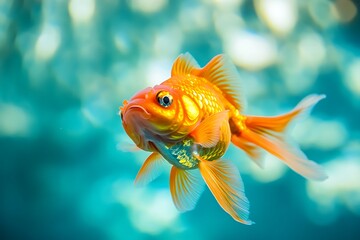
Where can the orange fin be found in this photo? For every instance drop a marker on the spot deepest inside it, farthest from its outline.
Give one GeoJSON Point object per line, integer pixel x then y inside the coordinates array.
{"type": "Point", "coordinates": [278, 124]}
{"type": "Point", "coordinates": [224, 181]}
{"type": "Point", "coordinates": [207, 134]}
{"type": "Point", "coordinates": [222, 72]}
{"type": "Point", "coordinates": [253, 151]}
{"type": "Point", "coordinates": [269, 134]}
{"type": "Point", "coordinates": [184, 64]}
{"type": "Point", "coordinates": [186, 187]}
{"type": "Point", "coordinates": [150, 170]}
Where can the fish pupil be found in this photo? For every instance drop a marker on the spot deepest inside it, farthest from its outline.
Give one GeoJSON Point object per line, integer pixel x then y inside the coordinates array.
{"type": "Point", "coordinates": [164, 99]}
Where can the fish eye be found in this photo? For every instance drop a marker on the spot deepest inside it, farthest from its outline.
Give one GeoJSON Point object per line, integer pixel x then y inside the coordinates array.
{"type": "Point", "coordinates": [164, 98]}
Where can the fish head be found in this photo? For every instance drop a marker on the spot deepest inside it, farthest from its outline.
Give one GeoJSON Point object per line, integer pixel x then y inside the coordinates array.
{"type": "Point", "coordinates": [154, 114]}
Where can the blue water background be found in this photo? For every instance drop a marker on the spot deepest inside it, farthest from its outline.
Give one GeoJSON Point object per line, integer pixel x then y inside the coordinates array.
{"type": "Point", "coordinates": [67, 166]}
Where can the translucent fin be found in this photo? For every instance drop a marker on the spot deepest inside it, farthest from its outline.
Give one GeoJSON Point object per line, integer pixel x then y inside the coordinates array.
{"type": "Point", "coordinates": [207, 134]}
{"type": "Point", "coordinates": [225, 132]}
{"type": "Point", "coordinates": [224, 181]}
{"type": "Point", "coordinates": [291, 155]}
{"type": "Point", "coordinates": [253, 151]}
{"type": "Point", "coordinates": [278, 124]}
{"type": "Point", "coordinates": [128, 147]}
{"type": "Point", "coordinates": [184, 64]}
{"type": "Point", "coordinates": [269, 134]}
{"type": "Point", "coordinates": [150, 170]}
{"type": "Point", "coordinates": [222, 72]}
{"type": "Point", "coordinates": [186, 187]}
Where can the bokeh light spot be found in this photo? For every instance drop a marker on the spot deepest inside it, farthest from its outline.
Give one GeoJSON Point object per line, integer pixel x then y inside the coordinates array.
{"type": "Point", "coordinates": [328, 135]}
{"type": "Point", "coordinates": [150, 212]}
{"type": "Point", "coordinates": [82, 11]}
{"type": "Point", "coordinates": [249, 50]}
{"type": "Point", "coordinates": [279, 15]}
{"type": "Point", "coordinates": [311, 50]}
{"type": "Point", "coordinates": [14, 120]}
{"type": "Point", "coordinates": [344, 10]}
{"type": "Point", "coordinates": [47, 43]}
{"type": "Point", "coordinates": [341, 188]}
{"type": "Point", "coordinates": [146, 6]}
{"type": "Point", "coordinates": [321, 13]}
{"type": "Point", "coordinates": [352, 78]}
{"type": "Point", "coordinates": [272, 170]}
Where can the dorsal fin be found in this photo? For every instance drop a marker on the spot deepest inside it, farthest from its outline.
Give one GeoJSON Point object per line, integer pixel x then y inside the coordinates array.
{"type": "Point", "coordinates": [184, 64]}
{"type": "Point", "coordinates": [222, 72]}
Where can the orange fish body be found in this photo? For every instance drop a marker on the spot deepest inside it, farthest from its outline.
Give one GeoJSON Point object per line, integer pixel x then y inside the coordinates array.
{"type": "Point", "coordinates": [190, 120]}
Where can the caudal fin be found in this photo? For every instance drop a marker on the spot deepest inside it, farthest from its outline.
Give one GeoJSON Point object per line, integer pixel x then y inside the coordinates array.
{"type": "Point", "coordinates": [269, 133]}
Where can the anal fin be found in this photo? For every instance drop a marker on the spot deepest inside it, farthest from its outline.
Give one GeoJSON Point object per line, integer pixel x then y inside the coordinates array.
{"type": "Point", "coordinates": [186, 187]}
{"type": "Point", "coordinates": [224, 181]}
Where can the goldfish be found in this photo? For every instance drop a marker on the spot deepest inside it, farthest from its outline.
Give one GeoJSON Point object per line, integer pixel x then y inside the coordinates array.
{"type": "Point", "coordinates": [189, 121]}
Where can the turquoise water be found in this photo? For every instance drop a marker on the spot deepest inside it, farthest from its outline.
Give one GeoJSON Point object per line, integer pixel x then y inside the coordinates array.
{"type": "Point", "coordinates": [67, 166]}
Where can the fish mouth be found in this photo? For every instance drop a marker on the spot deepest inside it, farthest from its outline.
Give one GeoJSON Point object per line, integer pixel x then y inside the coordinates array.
{"type": "Point", "coordinates": [145, 115]}
{"type": "Point", "coordinates": [134, 119]}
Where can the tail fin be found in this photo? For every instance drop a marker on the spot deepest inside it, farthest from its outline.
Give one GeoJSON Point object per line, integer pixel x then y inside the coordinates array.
{"type": "Point", "coordinates": [269, 133]}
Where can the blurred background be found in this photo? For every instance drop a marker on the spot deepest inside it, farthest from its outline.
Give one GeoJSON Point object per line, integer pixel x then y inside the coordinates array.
{"type": "Point", "coordinates": [66, 165]}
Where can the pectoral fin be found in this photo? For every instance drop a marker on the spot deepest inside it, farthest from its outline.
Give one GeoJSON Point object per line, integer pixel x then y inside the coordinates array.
{"type": "Point", "coordinates": [207, 134]}
{"type": "Point", "coordinates": [224, 181]}
{"type": "Point", "coordinates": [186, 187]}
{"type": "Point", "coordinates": [150, 170]}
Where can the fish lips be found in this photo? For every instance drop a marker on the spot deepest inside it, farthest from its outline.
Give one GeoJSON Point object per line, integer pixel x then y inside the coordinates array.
{"type": "Point", "coordinates": [134, 110]}
{"type": "Point", "coordinates": [139, 111]}
{"type": "Point", "coordinates": [134, 119]}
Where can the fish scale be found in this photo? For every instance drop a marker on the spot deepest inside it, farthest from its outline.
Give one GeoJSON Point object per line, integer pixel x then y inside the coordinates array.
{"type": "Point", "coordinates": [205, 94]}
{"type": "Point", "coordinates": [181, 154]}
